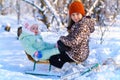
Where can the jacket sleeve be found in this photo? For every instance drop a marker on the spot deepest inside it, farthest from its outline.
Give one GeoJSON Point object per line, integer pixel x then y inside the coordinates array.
{"type": "Point", "coordinates": [27, 45]}
{"type": "Point", "coordinates": [78, 34]}
{"type": "Point", "coordinates": [91, 24]}
{"type": "Point", "coordinates": [49, 45]}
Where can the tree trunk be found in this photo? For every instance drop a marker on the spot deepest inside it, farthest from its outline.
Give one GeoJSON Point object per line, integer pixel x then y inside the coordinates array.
{"type": "Point", "coordinates": [18, 10]}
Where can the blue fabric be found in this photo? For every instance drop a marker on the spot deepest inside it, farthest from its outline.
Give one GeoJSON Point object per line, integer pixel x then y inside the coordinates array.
{"type": "Point", "coordinates": [39, 54]}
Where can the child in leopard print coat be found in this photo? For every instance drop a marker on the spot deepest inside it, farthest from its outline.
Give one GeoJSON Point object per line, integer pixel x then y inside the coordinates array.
{"type": "Point", "coordinates": [75, 46]}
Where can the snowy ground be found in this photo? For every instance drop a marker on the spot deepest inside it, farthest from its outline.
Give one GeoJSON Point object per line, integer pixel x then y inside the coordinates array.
{"type": "Point", "coordinates": [13, 61]}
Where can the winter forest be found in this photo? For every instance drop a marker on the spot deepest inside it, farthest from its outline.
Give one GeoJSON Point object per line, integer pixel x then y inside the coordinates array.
{"type": "Point", "coordinates": [52, 17]}
{"type": "Point", "coordinates": [52, 12]}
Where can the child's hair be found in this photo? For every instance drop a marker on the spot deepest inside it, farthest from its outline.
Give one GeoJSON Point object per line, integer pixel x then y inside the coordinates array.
{"type": "Point", "coordinates": [70, 23]}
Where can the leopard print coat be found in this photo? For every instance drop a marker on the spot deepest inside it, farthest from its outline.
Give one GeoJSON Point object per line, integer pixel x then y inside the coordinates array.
{"type": "Point", "coordinates": [78, 39]}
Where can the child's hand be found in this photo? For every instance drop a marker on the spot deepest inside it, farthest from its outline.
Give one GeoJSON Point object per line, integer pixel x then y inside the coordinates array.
{"type": "Point", "coordinates": [37, 55]}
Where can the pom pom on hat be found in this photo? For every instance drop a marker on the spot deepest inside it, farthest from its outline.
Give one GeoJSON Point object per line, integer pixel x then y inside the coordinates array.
{"type": "Point", "coordinates": [76, 6]}
{"type": "Point", "coordinates": [27, 25]}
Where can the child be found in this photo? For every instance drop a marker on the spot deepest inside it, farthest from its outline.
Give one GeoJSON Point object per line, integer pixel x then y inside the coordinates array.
{"type": "Point", "coordinates": [75, 46]}
{"type": "Point", "coordinates": [34, 44]}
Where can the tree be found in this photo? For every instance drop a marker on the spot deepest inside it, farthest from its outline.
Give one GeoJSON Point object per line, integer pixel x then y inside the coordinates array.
{"type": "Point", "coordinates": [18, 10]}
{"type": "Point", "coordinates": [55, 12]}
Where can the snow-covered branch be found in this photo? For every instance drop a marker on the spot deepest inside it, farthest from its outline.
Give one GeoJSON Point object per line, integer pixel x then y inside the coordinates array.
{"type": "Point", "coordinates": [53, 11]}
{"type": "Point", "coordinates": [94, 5]}
{"type": "Point", "coordinates": [31, 3]}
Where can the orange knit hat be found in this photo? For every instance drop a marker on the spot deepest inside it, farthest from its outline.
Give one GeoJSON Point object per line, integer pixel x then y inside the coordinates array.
{"type": "Point", "coordinates": [76, 6]}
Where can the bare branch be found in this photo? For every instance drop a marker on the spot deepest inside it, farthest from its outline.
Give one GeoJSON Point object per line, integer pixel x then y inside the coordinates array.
{"type": "Point", "coordinates": [31, 3]}
{"type": "Point", "coordinates": [94, 5]}
{"type": "Point", "coordinates": [53, 11]}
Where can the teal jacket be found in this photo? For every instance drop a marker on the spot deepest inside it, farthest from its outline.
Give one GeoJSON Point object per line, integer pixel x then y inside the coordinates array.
{"type": "Point", "coordinates": [32, 43]}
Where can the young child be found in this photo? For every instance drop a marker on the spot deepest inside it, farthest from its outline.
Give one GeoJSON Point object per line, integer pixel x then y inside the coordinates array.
{"type": "Point", "coordinates": [75, 46]}
{"type": "Point", "coordinates": [33, 43]}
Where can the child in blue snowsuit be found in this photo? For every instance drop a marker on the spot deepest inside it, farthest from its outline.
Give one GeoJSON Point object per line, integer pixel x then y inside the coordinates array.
{"type": "Point", "coordinates": [34, 45]}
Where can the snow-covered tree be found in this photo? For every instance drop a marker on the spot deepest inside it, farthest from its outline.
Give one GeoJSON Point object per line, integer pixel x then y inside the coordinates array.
{"type": "Point", "coordinates": [54, 13]}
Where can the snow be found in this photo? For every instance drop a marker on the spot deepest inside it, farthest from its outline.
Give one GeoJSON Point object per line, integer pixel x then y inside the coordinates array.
{"type": "Point", "coordinates": [14, 62]}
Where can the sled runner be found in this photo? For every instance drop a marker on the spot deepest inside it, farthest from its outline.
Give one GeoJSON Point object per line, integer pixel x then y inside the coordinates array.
{"type": "Point", "coordinates": [42, 73]}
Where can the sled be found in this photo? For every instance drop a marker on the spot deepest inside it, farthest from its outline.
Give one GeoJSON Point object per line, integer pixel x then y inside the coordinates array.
{"type": "Point", "coordinates": [40, 73]}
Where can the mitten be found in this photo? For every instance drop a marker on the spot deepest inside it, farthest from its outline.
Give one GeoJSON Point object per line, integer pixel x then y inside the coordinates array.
{"type": "Point", "coordinates": [37, 55]}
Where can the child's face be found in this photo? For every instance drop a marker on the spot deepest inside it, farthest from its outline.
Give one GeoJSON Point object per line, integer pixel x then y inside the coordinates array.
{"type": "Point", "coordinates": [34, 29]}
{"type": "Point", "coordinates": [76, 17]}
